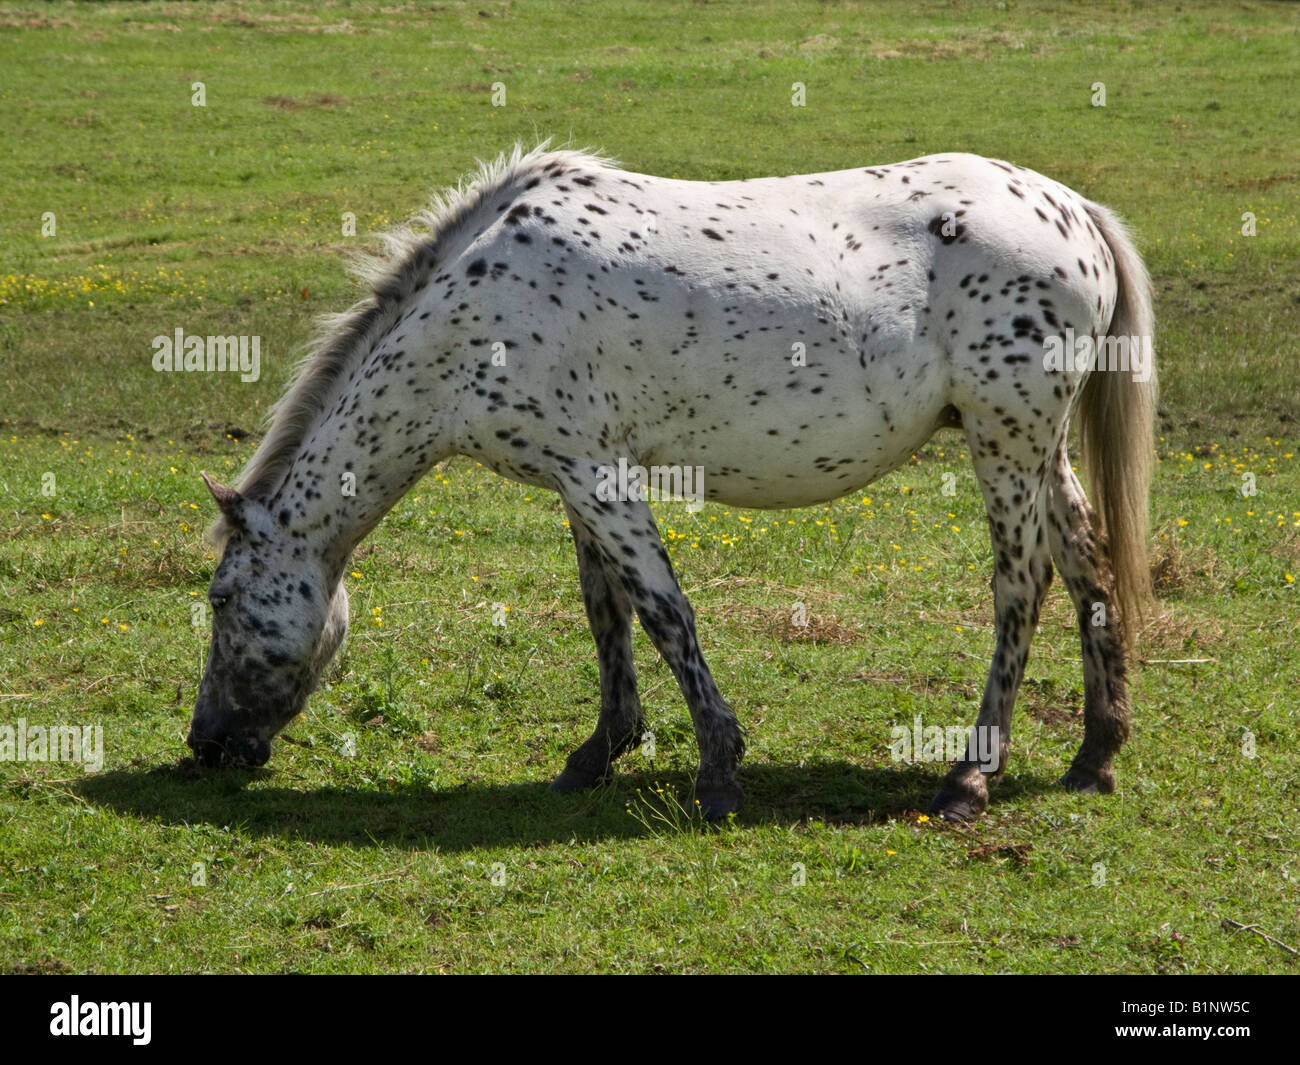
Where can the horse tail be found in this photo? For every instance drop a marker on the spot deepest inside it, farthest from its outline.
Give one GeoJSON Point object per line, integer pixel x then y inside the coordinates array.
{"type": "Point", "coordinates": [1116, 424]}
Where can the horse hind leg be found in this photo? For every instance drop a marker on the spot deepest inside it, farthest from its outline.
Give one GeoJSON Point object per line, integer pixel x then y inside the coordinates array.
{"type": "Point", "coordinates": [627, 540]}
{"type": "Point", "coordinates": [1081, 557]}
{"type": "Point", "coordinates": [609, 613]}
{"type": "Point", "coordinates": [1014, 499]}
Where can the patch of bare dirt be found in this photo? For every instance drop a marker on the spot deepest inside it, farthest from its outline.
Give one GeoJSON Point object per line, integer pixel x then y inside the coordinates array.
{"type": "Point", "coordinates": [44, 967]}
{"type": "Point", "coordinates": [1016, 852]}
{"type": "Point", "coordinates": [292, 103]}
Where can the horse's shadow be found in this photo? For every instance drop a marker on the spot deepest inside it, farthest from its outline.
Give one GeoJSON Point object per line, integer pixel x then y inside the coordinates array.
{"type": "Point", "coordinates": [488, 815]}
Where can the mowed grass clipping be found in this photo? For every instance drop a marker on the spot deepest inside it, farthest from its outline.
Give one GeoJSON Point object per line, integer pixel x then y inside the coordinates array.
{"type": "Point", "coordinates": [404, 823]}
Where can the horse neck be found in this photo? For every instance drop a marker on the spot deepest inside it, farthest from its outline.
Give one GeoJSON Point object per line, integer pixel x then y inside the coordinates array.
{"type": "Point", "coordinates": [380, 433]}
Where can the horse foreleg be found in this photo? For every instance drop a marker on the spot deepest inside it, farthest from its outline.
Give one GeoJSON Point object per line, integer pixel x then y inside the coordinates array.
{"type": "Point", "coordinates": [627, 540]}
{"type": "Point", "coordinates": [609, 612]}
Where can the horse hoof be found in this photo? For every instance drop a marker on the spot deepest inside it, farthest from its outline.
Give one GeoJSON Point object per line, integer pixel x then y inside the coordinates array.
{"type": "Point", "coordinates": [952, 806]}
{"type": "Point", "coordinates": [1087, 782]}
{"type": "Point", "coordinates": [720, 800]}
{"type": "Point", "coordinates": [576, 780]}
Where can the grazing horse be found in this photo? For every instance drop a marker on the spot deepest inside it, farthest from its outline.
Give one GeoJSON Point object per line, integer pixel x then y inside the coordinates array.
{"type": "Point", "coordinates": [794, 337]}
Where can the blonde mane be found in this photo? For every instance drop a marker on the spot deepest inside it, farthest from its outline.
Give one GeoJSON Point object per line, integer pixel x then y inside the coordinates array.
{"type": "Point", "coordinates": [408, 257]}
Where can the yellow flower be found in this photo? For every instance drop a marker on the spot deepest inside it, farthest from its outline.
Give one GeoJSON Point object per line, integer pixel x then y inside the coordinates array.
{"type": "Point", "coordinates": [922, 819]}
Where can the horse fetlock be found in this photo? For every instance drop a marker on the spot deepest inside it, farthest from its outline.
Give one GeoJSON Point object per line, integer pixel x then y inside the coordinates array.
{"type": "Point", "coordinates": [736, 747]}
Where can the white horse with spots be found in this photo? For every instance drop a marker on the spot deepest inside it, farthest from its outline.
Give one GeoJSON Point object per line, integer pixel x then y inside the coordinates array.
{"type": "Point", "coordinates": [795, 337]}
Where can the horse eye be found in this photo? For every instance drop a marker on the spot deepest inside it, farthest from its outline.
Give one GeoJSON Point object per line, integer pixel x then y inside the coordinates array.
{"type": "Point", "coordinates": [218, 601]}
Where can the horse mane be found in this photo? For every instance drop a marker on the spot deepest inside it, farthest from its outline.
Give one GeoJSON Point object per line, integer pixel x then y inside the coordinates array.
{"type": "Point", "coordinates": [409, 254]}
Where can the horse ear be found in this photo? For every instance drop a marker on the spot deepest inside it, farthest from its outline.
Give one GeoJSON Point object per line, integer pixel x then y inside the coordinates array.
{"type": "Point", "coordinates": [229, 501]}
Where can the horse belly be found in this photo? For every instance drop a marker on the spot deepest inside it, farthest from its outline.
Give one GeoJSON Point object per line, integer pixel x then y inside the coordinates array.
{"type": "Point", "coordinates": [779, 443]}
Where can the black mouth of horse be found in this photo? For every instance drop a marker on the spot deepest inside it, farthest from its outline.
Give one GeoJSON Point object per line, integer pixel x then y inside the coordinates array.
{"type": "Point", "coordinates": [229, 752]}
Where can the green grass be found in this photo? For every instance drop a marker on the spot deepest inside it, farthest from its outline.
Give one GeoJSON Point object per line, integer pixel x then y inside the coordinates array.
{"type": "Point", "coordinates": [405, 823]}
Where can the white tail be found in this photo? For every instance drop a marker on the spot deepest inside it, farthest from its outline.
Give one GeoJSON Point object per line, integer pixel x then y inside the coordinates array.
{"type": "Point", "coordinates": [1116, 419]}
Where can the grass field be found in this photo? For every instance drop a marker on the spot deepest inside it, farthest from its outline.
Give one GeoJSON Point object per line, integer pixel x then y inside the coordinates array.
{"type": "Point", "coordinates": [404, 823]}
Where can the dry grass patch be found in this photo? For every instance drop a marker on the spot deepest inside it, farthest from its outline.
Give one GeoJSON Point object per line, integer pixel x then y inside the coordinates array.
{"type": "Point", "coordinates": [1180, 633]}
{"type": "Point", "coordinates": [804, 620]}
{"type": "Point", "coordinates": [1177, 569]}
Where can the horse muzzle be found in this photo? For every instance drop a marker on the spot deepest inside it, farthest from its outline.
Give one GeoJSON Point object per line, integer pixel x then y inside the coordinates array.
{"type": "Point", "coordinates": [230, 751]}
